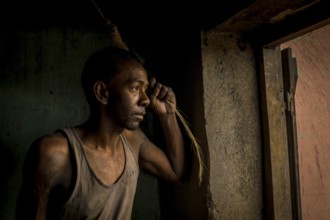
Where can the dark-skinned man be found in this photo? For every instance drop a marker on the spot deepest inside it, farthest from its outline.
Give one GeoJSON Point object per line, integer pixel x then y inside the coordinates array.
{"type": "Point", "coordinates": [90, 171]}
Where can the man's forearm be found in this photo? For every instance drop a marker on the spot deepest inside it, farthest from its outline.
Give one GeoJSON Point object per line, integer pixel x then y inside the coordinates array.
{"type": "Point", "coordinates": [174, 142]}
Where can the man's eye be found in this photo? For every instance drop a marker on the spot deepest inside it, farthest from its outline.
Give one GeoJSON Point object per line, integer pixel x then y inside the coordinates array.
{"type": "Point", "coordinates": [135, 88]}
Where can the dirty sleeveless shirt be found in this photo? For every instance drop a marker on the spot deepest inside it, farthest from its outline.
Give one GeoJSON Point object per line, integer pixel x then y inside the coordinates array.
{"type": "Point", "coordinates": [93, 199]}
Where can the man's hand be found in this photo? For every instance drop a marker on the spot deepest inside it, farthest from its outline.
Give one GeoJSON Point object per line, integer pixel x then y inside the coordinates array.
{"type": "Point", "coordinates": [162, 98]}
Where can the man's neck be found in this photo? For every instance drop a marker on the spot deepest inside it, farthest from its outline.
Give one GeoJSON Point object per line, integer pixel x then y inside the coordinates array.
{"type": "Point", "coordinates": [100, 133]}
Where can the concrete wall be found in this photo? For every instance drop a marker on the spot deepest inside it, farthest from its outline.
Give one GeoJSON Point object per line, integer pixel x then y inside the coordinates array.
{"type": "Point", "coordinates": [40, 92]}
{"type": "Point", "coordinates": [312, 52]}
{"type": "Point", "coordinates": [233, 131]}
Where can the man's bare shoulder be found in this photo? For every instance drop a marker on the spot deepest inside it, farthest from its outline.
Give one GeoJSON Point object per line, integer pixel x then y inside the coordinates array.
{"type": "Point", "coordinates": [48, 159]}
{"type": "Point", "coordinates": [50, 155]}
{"type": "Point", "coordinates": [135, 137]}
{"type": "Point", "coordinates": [52, 143]}
{"type": "Point", "coordinates": [46, 166]}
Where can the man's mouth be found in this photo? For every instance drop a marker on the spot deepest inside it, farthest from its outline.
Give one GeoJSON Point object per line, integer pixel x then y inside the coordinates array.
{"type": "Point", "coordinates": [140, 115]}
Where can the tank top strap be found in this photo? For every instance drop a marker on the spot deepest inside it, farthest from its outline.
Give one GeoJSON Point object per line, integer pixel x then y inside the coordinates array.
{"type": "Point", "coordinates": [74, 148]}
{"type": "Point", "coordinates": [128, 149]}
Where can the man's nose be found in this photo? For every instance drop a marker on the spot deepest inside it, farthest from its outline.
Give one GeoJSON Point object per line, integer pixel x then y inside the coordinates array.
{"type": "Point", "coordinates": [144, 99]}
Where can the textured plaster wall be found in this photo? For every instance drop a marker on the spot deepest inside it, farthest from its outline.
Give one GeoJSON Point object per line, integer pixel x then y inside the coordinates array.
{"type": "Point", "coordinates": [312, 52]}
{"type": "Point", "coordinates": [232, 127]}
{"type": "Point", "coordinates": [40, 92]}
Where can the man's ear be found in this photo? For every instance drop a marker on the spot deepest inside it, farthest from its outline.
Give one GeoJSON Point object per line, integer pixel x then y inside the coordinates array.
{"type": "Point", "coordinates": [101, 92]}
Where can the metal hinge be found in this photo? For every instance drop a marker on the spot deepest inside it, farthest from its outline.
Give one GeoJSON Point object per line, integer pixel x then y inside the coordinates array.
{"type": "Point", "coordinates": [290, 102]}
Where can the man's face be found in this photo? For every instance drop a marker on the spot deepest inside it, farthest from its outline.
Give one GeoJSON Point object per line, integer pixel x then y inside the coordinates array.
{"type": "Point", "coordinates": [128, 98]}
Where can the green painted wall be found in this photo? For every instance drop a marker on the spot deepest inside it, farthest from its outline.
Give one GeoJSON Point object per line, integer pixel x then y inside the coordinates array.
{"type": "Point", "coordinates": [39, 93]}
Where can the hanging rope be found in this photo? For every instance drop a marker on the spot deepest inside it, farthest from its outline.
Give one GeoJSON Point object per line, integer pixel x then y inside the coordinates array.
{"type": "Point", "coordinates": [111, 29]}
{"type": "Point", "coordinates": [117, 39]}
{"type": "Point", "coordinates": [195, 143]}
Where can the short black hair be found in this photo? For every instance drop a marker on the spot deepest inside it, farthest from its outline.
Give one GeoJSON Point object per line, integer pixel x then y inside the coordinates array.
{"type": "Point", "coordinates": [103, 65]}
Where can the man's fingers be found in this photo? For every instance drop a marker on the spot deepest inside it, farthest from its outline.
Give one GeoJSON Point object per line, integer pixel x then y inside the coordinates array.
{"type": "Point", "coordinates": [163, 92]}
{"type": "Point", "coordinates": [152, 82]}
{"type": "Point", "coordinates": [169, 94]}
{"type": "Point", "coordinates": [155, 90]}
{"type": "Point", "coordinates": [159, 91]}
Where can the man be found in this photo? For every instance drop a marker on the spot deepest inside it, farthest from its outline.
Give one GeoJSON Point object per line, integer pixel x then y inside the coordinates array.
{"type": "Point", "coordinates": [90, 171]}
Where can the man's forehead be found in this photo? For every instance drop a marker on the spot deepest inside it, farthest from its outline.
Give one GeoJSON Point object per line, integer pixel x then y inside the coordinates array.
{"type": "Point", "coordinates": [138, 78]}
{"type": "Point", "coordinates": [130, 75]}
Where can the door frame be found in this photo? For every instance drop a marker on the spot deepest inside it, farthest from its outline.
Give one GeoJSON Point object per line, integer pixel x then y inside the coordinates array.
{"type": "Point", "coordinates": [281, 181]}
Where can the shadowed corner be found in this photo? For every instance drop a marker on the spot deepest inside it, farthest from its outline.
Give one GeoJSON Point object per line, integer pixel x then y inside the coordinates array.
{"type": "Point", "coordinates": [8, 167]}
